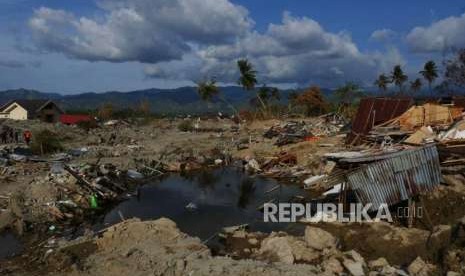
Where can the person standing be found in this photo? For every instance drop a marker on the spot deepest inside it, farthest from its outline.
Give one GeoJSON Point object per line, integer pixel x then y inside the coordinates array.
{"type": "Point", "coordinates": [3, 136]}
{"type": "Point", "coordinates": [27, 136]}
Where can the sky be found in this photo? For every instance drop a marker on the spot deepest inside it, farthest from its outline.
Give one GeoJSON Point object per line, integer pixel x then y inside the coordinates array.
{"type": "Point", "coordinates": [79, 46]}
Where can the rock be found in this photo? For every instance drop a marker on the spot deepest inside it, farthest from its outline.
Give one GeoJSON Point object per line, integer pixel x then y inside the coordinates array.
{"type": "Point", "coordinates": [420, 268]}
{"type": "Point", "coordinates": [441, 236]}
{"type": "Point", "coordinates": [253, 241]}
{"type": "Point", "coordinates": [332, 266]}
{"type": "Point", "coordinates": [355, 268]}
{"type": "Point", "coordinates": [278, 247]}
{"type": "Point", "coordinates": [239, 234]}
{"type": "Point", "coordinates": [253, 166]}
{"type": "Point", "coordinates": [319, 239]}
{"type": "Point", "coordinates": [355, 256]}
{"type": "Point", "coordinates": [453, 273]}
{"type": "Point", "coordinates": [378, 264]}
{"type": "Point", "coordinates": [302, 253]}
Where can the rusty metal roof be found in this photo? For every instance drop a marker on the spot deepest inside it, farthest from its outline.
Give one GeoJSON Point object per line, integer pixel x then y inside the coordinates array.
{"type": "Point", "coordinates": [375, 111]}
{"type": "Point", "coordinates": [403, 175]}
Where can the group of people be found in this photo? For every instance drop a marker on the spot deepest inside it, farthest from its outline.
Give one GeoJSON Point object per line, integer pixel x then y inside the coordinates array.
{"type": "Point", "coordinates": [9, 135]}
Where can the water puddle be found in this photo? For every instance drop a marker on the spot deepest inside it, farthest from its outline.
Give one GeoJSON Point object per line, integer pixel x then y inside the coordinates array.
{"type": "Point", "coordinates": [10, 246]}
{"type": "Point", "coordinates": [214, 199]}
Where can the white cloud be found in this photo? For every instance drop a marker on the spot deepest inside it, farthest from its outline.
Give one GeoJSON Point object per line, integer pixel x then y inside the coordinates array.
{"type": "Point", "coordinates": [383, 35]}
{"type": "Point", "coordinates": [190, 39]}
{"type": "Point", "coordinates": [443, 35]}
{"type": "Point", "coordinates": [140, 30]}
{"type": "Point", "coordinates": [298, 50]}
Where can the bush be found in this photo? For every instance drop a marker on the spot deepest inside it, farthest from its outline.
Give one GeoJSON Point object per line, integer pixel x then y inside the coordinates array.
{"type": "Point", "coordinates": [45, 141]}
{"type": "Point", "coordinates": [87, 125]}
{"type": "Point", "coordinates": [186, 125]}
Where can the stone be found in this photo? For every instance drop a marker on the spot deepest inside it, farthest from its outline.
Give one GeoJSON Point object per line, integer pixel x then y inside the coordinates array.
{"type": "Point", "coordinates": [378, 264]}
{"type": "Point", "coordinates": [239, 234]}
{"type": "Point", "coordinates": [355, 268]}
{"type": "Point", "coordinates": [302, 253]}
{"type": "Point", "coordinates": [355, 256]}
{"type": "Point", "coordinates": [453, 273]}
{"type": "Point", "coordinates": [318, 238]}
{"type": "Point", "coordinates": [420, 268]}
{"type": "Point", "coordinates": [332, 266]}
{"type": "Point", "coordinates": [278, 247]}
{"type": "Point", "coordinates": [253, 241]}
{"type": "Point", "coordinates": [441, 236]}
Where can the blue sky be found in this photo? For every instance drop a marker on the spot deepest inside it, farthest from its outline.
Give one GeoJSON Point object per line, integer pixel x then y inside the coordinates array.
{"type": "Point", "coordinates": [85, 45]}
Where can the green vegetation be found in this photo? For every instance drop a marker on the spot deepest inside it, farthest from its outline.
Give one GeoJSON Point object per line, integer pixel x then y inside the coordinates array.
{"type": "Point", "coordinates": [186, 126]}
{"type": "Point", "coordinates": [398, 77]}
{"type": "Point", "coordinates": [45, 142]}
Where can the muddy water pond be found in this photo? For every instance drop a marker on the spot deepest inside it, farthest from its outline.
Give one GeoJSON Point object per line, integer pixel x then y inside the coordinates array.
{"type": "Point", "coordinates": [202, 204]}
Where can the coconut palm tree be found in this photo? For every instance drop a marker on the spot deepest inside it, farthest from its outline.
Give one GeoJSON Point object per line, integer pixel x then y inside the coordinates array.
{"type": "Point", "coordinates": [398, 77]}
{"type": "Point", "coordinates": [382, 82]}
{"type": "Point", "coordinates": [430, 73]}
{"type": "Point", "coordinates": [248, 78]}
{"type": "Point", "coordinates": [415, 86]}
{"type": "Point", "coordinates": [207, 89]}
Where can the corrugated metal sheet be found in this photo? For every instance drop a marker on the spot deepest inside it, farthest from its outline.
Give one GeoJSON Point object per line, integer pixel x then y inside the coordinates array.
{"type": "Point", "coordinates": [375, 111]}
{"type": "Point", "coordinates": [398, 178]}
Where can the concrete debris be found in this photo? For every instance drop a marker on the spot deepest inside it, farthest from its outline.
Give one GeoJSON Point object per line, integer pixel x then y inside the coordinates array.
{"type": "Point", "coordinates": [421, 268]}
{"type": "Point", "coordinates": [319, 239]}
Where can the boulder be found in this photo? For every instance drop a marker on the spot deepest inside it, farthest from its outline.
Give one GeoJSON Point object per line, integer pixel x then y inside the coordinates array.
{"type": "Point", "coordinates": [302, 253]}
{"type": "Point", "coordinates": [420, 268]}
{"type": "Point", "coordinates": [378, 264]}
{"type": "Point", "coordinates": [319, 239]}
{"type": "Point", "coordinates": [355, 268]}
{"type": "Point", "coordinates": [279, 248]}
{"type": "Point", "coordinates": [332, 266]}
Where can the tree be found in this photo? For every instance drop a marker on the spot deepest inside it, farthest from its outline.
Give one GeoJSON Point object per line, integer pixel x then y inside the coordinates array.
{"type": "Point", "coordinates": [207, 89]}
{"type": "Point", "coordinates": [398, 77]}
{"type": "Point", "coordinates": [455, 69]}
{"type": "Point", "coordinates": [312, 101]}
{"type": "Point", "coordinates": [430, 73]}
{"type": "Point", "coordinates": [144, 107]}
{"type": "Point", "coordinates": [269, 94]}
{"type": "Point", "coordinates": [415, 86]}
{"type": "Point", "coordinates": [248, 78]}
{"type": "Point", "coordinates": [105, 112]}
{"type": "Point", "coordinates": [382, 82]}
{"type": "Point", "coordinates": [347, 95]}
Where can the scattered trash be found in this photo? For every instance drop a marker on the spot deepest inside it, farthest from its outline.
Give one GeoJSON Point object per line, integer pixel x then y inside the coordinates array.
{"type": "Point", "coordinates": [191, 206]}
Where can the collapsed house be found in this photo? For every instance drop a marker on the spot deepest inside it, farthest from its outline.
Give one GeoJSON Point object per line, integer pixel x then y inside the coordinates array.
{"type": "Point", "coordinates": [404, 149]}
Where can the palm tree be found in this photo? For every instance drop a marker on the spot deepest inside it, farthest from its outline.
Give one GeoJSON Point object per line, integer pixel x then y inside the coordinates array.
{"type": "Point", "coordinates": [207, 89]}
{"type": "Point", "coordinates": [398, 77]}
{"type": "Point", "coordinates": [415, 86]}
{"type": "Point", "coordinates": [248, 78]}
{"type": "Point", "coordinates": [382, 82]}
{"type": "Point", "coordinates": [430, 73]}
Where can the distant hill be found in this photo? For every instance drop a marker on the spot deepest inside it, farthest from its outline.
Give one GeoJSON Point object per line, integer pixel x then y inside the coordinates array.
{"type": "Point", "coordinates": [163, 101]}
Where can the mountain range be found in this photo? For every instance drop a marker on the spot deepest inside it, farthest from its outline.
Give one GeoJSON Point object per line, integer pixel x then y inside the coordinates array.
{"type": "Point", "coordinates": [162, 101]}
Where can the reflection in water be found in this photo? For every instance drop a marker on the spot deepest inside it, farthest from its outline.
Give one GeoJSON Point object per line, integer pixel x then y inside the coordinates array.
{"type": "Point", "coordinates": [9, 245]}
{"type": "Point", "coordinates": [223, 197]}
{"type": "Point", "coordinates": [246, 190]}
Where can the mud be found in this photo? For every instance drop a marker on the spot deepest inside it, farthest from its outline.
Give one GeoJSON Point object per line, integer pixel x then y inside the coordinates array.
{"type": "Point", "coordinates": [160, 248]}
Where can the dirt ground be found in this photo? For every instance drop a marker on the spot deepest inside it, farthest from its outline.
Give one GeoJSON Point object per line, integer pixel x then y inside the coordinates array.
{"type": "Point", "coordinates": [159, 248]}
